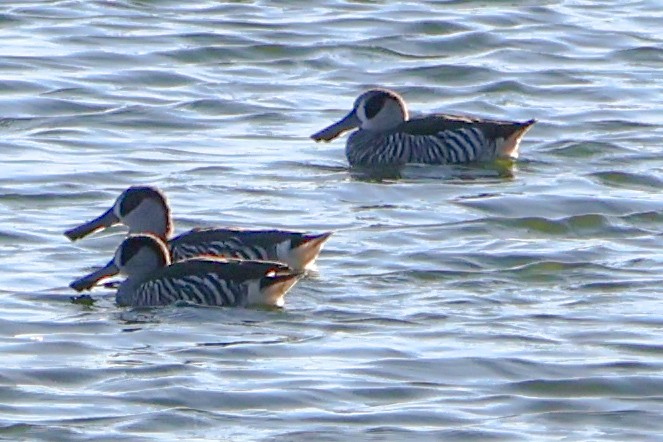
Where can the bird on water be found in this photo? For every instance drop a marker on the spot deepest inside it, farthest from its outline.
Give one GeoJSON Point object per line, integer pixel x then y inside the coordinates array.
{"type": "Point", "coordinates": [153, 280]}
{"type": "Point", "coordinates": [145, 209]}
{"type": "Point", "coordinates": [386, 136]}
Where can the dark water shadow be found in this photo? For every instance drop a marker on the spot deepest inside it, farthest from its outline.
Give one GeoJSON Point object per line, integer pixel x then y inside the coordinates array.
{"type": "Point", "coordinates": [499, 169]}
{"type": "Point", "coordinates": [502, 169]}
{"type": "Point", "coordinates": [187, 312]}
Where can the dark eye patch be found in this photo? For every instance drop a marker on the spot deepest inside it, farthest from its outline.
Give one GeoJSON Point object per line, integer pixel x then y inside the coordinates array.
{"type": "Point", "coordinates": [135, 195]}
{"type": "Point", "coordinates": [132, 198]}
{"type": "Point", "coordinates": [132, 246]}
{"type": "Point", "coordinates": [374, 104]}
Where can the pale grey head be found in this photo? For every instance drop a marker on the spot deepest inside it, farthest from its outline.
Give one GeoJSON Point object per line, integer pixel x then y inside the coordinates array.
{"type": "Point", "coordinates": [376, 110]}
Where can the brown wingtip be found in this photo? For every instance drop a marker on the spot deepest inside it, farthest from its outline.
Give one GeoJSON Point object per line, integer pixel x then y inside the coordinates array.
{"type": "Point", "coordinates": [307, 251]}
{"type": "Point", "coordinates": [512, 142]}
{"type": "Point", "coordinates": [275, 287]}
{"type": "Point", "coordinates": [318, 238]}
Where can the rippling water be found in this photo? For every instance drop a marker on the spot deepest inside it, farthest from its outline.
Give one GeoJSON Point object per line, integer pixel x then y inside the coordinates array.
{"type": "Point", "coordinates": [493, 302]}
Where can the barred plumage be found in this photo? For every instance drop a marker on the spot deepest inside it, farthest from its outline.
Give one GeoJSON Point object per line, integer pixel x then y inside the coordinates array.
{"type": "Point", "coordinates": [144, 209]}
{"type": "Point", "coordinates": [267, 245]}
{"type": "Point", "coordinates": [446, 147]}
{"type": "Point", "coordinates": [387, 137]}
{"type": "Point", "coordinates": [153, 281]}
{"type": "Point", "coordinates": [205, 289]}
{"type": "Point", "coordinates": [232, 249]}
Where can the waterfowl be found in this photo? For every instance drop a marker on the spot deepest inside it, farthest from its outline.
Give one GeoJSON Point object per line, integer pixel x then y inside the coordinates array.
{"type": "Point", "coordinates": [388, 137]}
{"type": "Point", "coordinates": [144, 209]}
{"type": "Point", "coordinates": [152, 280]}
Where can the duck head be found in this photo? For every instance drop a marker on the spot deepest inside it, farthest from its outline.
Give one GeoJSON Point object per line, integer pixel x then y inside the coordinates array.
{"type": "Point", "coordinates": [377, 110]}
{"type": "Point", "coordinates": [137, 256]}
{"type": "Point", "coordinates": [143, 209]}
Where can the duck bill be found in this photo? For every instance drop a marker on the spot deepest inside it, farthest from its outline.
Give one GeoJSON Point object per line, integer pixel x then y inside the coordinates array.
{"type": "Point", "coordinates": [88, 281]}
{"type": "Point", "coordinates": [107, 219]}
{"type": "Point", "coordinates": [349, 122]}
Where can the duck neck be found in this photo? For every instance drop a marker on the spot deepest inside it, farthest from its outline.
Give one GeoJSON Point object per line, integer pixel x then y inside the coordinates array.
{"type": "Point", "coordinates": [126, 292]}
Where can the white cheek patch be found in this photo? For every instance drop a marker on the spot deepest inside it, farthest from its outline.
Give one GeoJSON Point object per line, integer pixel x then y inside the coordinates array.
{"type": "Point", "coordinates": [116, 207]}
{"type": "Point", "coordinates": [361, 112]}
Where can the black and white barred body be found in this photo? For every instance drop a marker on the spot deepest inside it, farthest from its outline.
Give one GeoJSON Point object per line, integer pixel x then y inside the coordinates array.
{"type": "Point", "coordinates": [209, 282]}
{"type": "Point", "coordinates": [371, 149]}
{"type": "Point", "coordinates": [293, 248]}
{"type": "Point", "coordinates": [152, 280]}
{"type": "Point", "coordinates": [206, 289]}
{"type": "Point", "coordinates": [221, 242]}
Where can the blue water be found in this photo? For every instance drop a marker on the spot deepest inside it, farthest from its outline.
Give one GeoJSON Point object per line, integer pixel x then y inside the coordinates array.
{"type": "Point", "coordinates": [494, 302]}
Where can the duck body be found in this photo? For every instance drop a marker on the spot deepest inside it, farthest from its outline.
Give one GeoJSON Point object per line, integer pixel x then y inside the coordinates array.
{"type": "Point", "coordinates": [296, 249]}
{"type": "Point", "coordinates": [435, 139]}
{"type": "Point", "coordinates": [208, 281]}
{"type": "Point", "coordinates": [152, 280]}
{"type": "Point", "coordinates": [387, 137]}
{"type": "Point", "coordinates": [144, 209]}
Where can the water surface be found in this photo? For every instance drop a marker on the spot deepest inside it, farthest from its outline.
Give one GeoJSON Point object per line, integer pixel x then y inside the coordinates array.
{"type": "Point", "coordinates": [493, 302]}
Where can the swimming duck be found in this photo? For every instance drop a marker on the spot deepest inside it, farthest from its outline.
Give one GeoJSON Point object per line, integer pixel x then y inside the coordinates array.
{"type": "Point", "coordinates": [144, 209]}
{"type": "Point", "coordinates": [152, 280]}
{"type": "Point", "coordinates": [387, 137]}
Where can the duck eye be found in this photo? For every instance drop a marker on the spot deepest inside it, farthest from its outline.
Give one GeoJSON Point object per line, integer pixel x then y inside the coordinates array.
{"type": "Point", "coordinates": [373, 105]}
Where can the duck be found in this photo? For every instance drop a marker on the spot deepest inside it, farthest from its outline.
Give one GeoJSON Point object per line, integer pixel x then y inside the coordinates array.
{"type": "Point", "coordinates": [152, 280]}
{"type": "Point", "coordinates": [386, 136]}
{"type": "Point", "coordinates": [145, 209]}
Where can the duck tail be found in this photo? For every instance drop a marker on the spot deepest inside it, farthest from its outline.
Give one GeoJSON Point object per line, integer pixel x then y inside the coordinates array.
{"type": "Point", "coordinates": [511, 139]}
{"type": "Point", "coordinates": [274, 288]}
{"type": "Point", "coordinates": [307, 250]}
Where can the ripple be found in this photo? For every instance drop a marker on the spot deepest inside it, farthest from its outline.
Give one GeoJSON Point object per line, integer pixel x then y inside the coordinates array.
{"type": "Point", "coordinates": [628, 180]}
{"type": "Point", "coordinates": [510, 205]}
{"type": "Point", "coordinates": [584, 149]}
{"type": "Point", "coordinates": [589, 387]}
